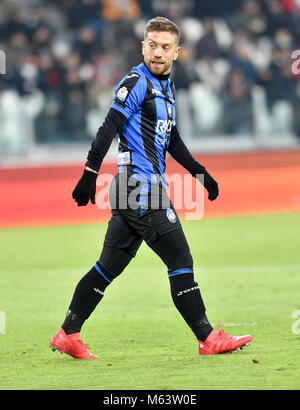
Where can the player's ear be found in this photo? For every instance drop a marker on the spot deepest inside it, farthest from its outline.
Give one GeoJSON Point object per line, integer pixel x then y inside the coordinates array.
{"type": "Point", "coordinates": [176, 53]}
{"type": "Point", "coordinates": [143, 46]}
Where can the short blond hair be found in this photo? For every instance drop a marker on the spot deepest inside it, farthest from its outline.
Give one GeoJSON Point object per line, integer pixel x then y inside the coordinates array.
{"type": "Point", "coordinates": [162, 24]}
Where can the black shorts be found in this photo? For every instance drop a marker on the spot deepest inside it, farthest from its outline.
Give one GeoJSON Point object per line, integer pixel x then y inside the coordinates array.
{"type": "Point", "coordinates": [128, 227]}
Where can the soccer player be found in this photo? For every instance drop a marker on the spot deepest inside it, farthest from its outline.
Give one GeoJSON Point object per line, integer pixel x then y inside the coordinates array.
{"type": "Point", "coordinates": [143, 115]}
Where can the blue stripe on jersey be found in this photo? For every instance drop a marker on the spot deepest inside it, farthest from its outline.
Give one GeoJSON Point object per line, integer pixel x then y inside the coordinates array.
{"type": "Point", "coordinates": [143, 199]}
{"type": "Point", "coordinates": [160, 133]}
{"type": "Point", "coordinates": [132, 133]}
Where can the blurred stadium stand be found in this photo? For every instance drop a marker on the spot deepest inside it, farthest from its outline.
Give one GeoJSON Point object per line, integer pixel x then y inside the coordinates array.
{"type": "Point", "coordinates": [235, 87]}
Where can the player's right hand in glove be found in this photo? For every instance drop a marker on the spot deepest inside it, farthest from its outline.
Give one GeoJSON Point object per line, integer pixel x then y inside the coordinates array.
{"type": "Point", "coordinates": [85, 189]}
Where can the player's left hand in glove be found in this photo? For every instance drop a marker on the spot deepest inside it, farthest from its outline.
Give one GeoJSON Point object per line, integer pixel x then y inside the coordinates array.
{"type": "Point", "coordinates": [210, 184]}
{"type": "Point", "coordinates": [85, 189]}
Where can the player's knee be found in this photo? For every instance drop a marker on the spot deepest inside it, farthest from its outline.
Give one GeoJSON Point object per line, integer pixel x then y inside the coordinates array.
{"type": "Point", "coordinates": [114, 261]}
{"type": "Point", "coordinates": [181, 263]}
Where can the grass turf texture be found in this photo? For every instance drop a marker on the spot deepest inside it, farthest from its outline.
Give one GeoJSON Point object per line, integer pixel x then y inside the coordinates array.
{"type": "Point", "coordinates": [248, 272]}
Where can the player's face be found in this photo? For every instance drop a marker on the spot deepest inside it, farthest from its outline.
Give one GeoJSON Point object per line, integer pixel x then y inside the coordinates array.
{"type": "Point", "coordinates": [160, 49]}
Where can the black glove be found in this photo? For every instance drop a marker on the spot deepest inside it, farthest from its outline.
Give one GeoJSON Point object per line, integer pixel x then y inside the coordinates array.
{"type": "Point", "coordinates": [85, 189]}
{"type": "Point", "coordinates": [210, 184]}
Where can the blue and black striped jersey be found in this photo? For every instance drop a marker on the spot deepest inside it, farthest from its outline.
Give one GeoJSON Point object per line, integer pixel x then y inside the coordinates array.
{"type": "Point", "coordinates": [143, 115]}
{"type": "Point", "coordinates": [148, 103]}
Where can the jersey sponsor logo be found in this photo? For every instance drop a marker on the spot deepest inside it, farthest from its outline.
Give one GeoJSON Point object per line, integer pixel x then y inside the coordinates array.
{"type": "Point", "coordinates": [163, 130]}
{"type": "Point", "coordinates": [171, 215]}
{"type": "Point", "coordinates": [122, 94]}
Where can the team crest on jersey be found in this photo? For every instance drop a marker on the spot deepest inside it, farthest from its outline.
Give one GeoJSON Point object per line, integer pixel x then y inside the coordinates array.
{"type": "Point", "coordinates": [170, 110]}
{"type": "Point", "coordinates": [122, 94]}
{"type": "Point", "coordinates": [156, 92]}
{"type": "Point", "coordinates": [171, 215]}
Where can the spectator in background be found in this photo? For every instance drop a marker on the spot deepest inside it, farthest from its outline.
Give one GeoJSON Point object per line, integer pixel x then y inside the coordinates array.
{"type": "Point", "coordinates": [88, 11]}
{"type": "Point", "coordinates": [71, 62]}
{"type": "Point", "coordinates": [87, 44]}
{"type": "Point", "coordinates": [184, 75]}
{"type": "Point", "coordinates": [184, 71]}
{"type": "Point", "coordinates": [72, 81]}
{"type": "Point", "coordinates": [74, 115]}
{"type": "Point", "coordinates": [24, 77]}
{"type": "Point", "coordinates": [277, 17]}
{"type": "Point", "coordinates": [251, 19]}
{"type": "Point", "coordinates": [297, 32]}
{"type": "Point", "coordinates": [16, 23]}
{"type": "Point", "coordinates": [242, 60]}
{"type": "Point", "coordinates": [277, 79]}
{"type": "Point", "coordinates": [79, 12]}
{"type": "Point", "coordinates": [74, 106]}
{"type": "Point", "coordinates": [208, 45]}
{"type": "Point", "coordinates": [126, 44]}
{"type": "Point", "coordinates": [237, 116]}
{"type": "Point", "coordinates": [212, 53]}
{"type": "Point", "coordinates": [18, 47]}
{"type": "Point", "coordinates": [174, 8]}
{"type": "Point", "coordinates": [178, 9]}
{"type": "Point", "coordinates": [46, 123]}
{"type": "Point", "coordinates": [107, 70]}
{"type": "Point", "coordinates": [49, 75]}
{"type": "Point", "coordinates": [121, 37]}
{"type": "Point", "coordinates": [147, 9]}
{"type": "Point", "coordinates": [41, 39]}
{"type": "Point", "coordinates": [215, 8]}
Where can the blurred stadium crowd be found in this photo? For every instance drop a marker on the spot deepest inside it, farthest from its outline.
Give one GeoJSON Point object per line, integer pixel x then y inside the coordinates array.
{"type": "Point", "coordinates": [64, 58]}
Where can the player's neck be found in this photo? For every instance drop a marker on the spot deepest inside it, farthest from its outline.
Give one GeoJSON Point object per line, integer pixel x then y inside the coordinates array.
{"type": "Point", "coordinates": [160, 77]}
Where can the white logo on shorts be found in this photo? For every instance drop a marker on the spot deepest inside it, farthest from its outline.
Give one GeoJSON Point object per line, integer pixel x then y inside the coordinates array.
{"type": "Point", "coordinates": [171, 215]}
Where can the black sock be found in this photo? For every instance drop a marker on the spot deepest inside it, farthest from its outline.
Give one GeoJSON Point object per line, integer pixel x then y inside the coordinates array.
{"type": "Point", "coordinates": [72, 323]}
{"type": "Point", "coordinates": [88, 293]}
{"type": "Point", "coordinates": [90, 289]}
{"type": "Point", "coordinates": [188, 301]}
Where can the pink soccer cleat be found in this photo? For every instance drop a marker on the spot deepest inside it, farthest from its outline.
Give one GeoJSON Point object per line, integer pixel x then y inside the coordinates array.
{"type": "Point", "coordinates": [71, 345]}
{"type": "Point", "coordinates": [221, 342]}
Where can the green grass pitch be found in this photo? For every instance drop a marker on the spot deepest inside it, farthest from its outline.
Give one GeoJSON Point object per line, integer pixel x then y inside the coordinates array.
{"type": "Point", "coordinates": [248, 271]}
